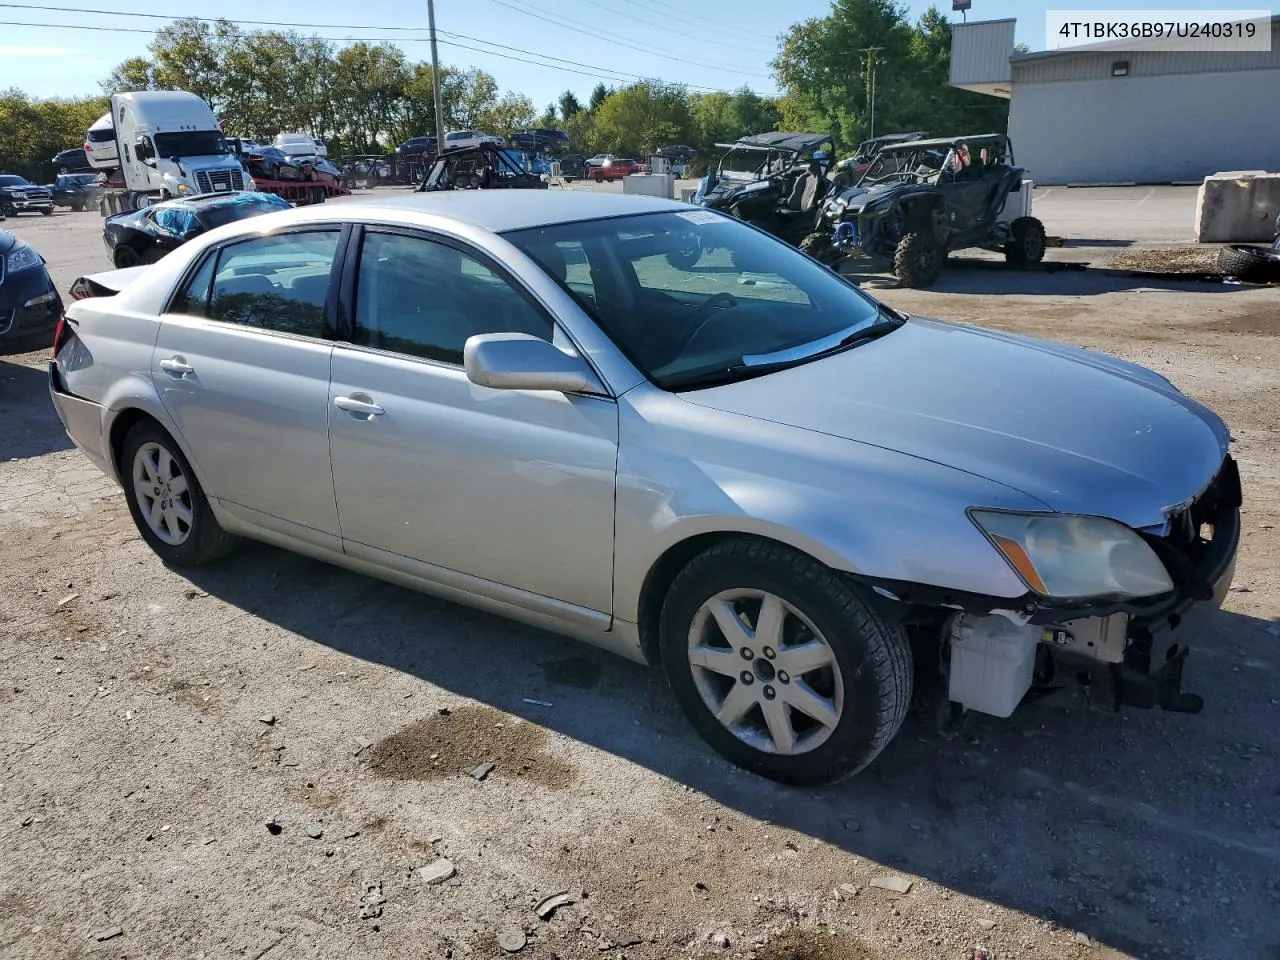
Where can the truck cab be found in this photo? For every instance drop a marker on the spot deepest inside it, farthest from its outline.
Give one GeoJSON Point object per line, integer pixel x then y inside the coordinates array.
{"type": "Point", "coordinates": [169, 144]}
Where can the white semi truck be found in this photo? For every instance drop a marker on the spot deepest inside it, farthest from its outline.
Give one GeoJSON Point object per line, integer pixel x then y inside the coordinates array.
{"type": "Point", "coordinates": [168, 144]}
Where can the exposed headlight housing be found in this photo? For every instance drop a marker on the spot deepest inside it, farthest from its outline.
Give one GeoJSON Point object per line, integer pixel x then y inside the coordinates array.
{"type": "Point", "coordinates": [1070, 556]}
{"type": "Point", "coordinates": [21, 257]}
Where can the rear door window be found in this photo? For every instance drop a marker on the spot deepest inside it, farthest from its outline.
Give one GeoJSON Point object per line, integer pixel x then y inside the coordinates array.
{"type": "Point", "coordinates": [277, 283]}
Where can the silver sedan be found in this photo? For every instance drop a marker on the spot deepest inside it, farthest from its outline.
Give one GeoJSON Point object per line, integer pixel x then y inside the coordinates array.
{"type": "Point", "coordinates": [659, 430]}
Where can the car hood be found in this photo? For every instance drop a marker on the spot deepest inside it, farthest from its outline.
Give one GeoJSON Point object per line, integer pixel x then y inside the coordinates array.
{"type": "Point", "coordinates": [1078, 431]}
{"type": "Point", "coordinates": [859, 196]}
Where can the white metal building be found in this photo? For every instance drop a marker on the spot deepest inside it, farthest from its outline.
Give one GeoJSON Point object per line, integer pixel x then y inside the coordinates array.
{"type": "Point", "coordinates": [1141, 116]}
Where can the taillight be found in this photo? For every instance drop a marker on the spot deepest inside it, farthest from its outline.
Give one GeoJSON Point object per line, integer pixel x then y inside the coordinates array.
{"type": "Point", "coordinates": [81, 289]}
{"type": "Point", "coordinates": [60, 334]}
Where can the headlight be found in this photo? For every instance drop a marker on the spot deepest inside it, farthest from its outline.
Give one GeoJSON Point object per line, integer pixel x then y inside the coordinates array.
{"type": "Point", "coordinates": [21, 257]}
{"type": "Point", "coordinates": [1062, 555]}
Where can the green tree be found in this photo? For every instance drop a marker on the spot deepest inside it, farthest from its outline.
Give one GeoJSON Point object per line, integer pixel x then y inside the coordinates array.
{"type": "Point", "coordinates": [548, 118]}
{"type": "Point", "coordinates": [598, 96]}
{"type": "Point", "coordinates": [822, 70]}
{"type": "Point", "coordinates": [569, 105]}
{"type": "Point", "coordinates": [132, 75]}
{"type": "Point", "coordinates": [32, 131]}
{"type": "Point", "coordinates": [638, 119]}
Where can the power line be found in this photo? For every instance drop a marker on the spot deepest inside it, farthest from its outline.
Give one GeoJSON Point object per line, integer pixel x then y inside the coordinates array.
{"type": "Point", "coordinates": [601, 35]}
{"type": "Point", "coordinates": [609, 38]}
{"type": "Point", "coordinates": [595, 72]}
{"type": "Point", "coordinates": [627, 15]}
{"type": "Point", "coordinates": [675, 13]}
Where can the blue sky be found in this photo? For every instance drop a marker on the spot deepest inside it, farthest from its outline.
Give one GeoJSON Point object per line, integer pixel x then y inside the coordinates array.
{"type": "Point", "coordinates": [57, 61]}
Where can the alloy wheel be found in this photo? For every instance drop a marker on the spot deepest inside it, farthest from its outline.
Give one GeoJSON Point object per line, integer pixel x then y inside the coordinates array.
{"type": "Point", "coordinates": [164, 496]}
{"type": "Point", "coordinates": [765, 672]}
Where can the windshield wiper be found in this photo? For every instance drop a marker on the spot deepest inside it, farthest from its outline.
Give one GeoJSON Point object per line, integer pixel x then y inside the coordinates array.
{"type": "Point", "coordinates": [888, 321]}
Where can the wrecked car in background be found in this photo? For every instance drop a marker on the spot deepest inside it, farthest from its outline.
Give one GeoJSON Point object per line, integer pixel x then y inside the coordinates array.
{"type": "Point", "coordinates": [146, 235]}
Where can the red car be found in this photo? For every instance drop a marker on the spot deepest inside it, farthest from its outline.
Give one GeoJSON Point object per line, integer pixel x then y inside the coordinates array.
{"type": "Point", "coordinates": [616, 169]}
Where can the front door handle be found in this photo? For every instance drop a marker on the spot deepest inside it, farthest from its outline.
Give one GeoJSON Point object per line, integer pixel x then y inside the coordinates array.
{"type": "Point", "coordinates": [360, 404]}
{"type": "Point", "coordinates": [177, 366]}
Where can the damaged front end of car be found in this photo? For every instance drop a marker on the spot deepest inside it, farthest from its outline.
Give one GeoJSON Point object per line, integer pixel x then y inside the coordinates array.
{"type": "Point", "coordinates": [1125, 646]}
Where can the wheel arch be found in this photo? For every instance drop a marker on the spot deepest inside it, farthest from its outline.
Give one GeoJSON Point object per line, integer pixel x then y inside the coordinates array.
{"type": "Point", "coordinates": [663, 571]}
{"type": "Point", "coordinates": [124, 416]}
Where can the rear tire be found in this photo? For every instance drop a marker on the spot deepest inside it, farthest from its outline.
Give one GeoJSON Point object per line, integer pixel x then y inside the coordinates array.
{"type": "Point", "coordinates": [1250, 264]}
{"type": "Point", "coordinates": [599, 178]}
{"type": "Point", "coordinates": [186, 533]}
{"type": "Point", "coordinates": [846, 660]}
{"type": "Point", "coordinates": [918, 260]}
{"type": "Point", "coordinates": [1026, 243]}
{"type": "Point", "coordinates": [124, 256]}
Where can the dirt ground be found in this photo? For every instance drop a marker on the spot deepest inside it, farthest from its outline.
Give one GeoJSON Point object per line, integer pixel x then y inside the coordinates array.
{"type": "Point", "coordinates": [258, 760]}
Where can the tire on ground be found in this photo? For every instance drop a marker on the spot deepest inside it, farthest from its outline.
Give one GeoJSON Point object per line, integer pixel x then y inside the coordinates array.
{"type": "Point", "coordinates": [207, 540]}
{"type": "Point", "coordinates": [918, 260]}
{"type": "Point", "coordinates": [1250, 264]}
{"type": "Point", "coordinates": [1026, 242]}
{"type": "Point", "coordinates": [872, 656]}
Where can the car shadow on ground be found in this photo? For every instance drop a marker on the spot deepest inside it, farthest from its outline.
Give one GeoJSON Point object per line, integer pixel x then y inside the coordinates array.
{"type": "Point", "coordinates": [1057, 279]}
{"type": "Point", "coordinates": [1145, 830]}
{"type": "Point", "coordinates": [32, 427]}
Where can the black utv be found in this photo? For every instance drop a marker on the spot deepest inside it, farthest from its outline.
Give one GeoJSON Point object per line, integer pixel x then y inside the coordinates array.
{"type": "Point", "coordinates": [776, 181]}
{"type": "Point", "coordinates": [484, 166]}
{"type": "Point", "coordinates": [922, 199]}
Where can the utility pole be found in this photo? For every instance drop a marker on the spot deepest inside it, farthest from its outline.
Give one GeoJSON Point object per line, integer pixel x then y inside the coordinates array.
{"type": "Point", "coordinates": [871, 64]}
{"type": "Point", "coordinates": [435, 77]}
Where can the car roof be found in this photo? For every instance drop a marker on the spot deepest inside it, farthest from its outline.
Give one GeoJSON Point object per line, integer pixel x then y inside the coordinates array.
{"type": "Point", "coordinates": [781, 140]}
{"type": "Point", "coordinates": [497, 211]}
{"type": "Point", "coordinates": [948, 141]}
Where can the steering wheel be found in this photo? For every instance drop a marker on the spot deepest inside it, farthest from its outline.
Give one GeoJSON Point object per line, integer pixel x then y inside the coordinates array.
{"type": "Point", "coordinates": [717, 301]}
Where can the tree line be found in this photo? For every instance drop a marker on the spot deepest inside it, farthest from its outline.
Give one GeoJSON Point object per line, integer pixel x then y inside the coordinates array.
{"type": "Point", "coordinates": [369, 97]}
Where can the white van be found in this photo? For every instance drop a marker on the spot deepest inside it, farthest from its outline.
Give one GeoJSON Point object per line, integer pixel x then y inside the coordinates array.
{"type": "Point", "coordinates": [100, 144]}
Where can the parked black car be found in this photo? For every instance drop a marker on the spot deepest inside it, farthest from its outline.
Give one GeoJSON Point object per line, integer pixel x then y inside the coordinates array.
{"type": "Point", "coordinates": [20, 195]}
{"type": "Point", "coordinates": [272, 163]}
{"type": "Point", "coordinates": [74, 160]}
{"type": "Point", "coordinates": [146, 235]}
{"type": "Point", "coordinates": [79, 191]}
{"type": "Point", "coordinates": [678, 152]}
{"type": "Point", "coordinates": [29, 302]}
{"type": "Point", "coordinates": [541, 140]}
{"type": "Point", "coordinates": [418, 145]}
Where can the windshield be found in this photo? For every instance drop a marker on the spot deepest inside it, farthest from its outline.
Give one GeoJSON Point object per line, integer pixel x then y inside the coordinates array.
{"type": "Point", "coordinates": [689, 296]}
{"type": "Point", "coordinates": [740, 163]}
{"type": "Point", "coordinates": [920, 165]}
{"type": "Point", "coordinates": [12, 180]}
{"type": "Point", "coordinates": [191, 143]}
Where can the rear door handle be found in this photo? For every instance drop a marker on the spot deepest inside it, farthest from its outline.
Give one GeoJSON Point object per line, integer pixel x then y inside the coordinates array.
{"type": "Point", "coordinates": [359, 404]}
{"type": "Point", "coordinates": [177, 366]}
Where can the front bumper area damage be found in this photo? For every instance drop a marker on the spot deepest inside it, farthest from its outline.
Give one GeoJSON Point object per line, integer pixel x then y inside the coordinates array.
{"type": "Point", "coordinates": [1126, 652]}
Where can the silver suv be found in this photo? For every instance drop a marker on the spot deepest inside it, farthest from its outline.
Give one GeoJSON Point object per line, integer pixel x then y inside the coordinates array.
{"type": "Point", "coordinates": [737, 466]}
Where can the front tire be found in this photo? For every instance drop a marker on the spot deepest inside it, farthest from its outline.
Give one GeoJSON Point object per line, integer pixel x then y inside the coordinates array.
{"type": "Point", "coordinates": [918, 260]}
{"type": "Point", "coordinates": [781, 665]}
{"type": "Point", "coordinates": [167, 502]}
{"type": "Point", "coordinates": [1026, 242]}
{"type": "Point", "coordinates": [599, 178]}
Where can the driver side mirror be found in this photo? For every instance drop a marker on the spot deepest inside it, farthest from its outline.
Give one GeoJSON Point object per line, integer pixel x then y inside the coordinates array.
{"type": "Point", "coordinates": [520, 361]}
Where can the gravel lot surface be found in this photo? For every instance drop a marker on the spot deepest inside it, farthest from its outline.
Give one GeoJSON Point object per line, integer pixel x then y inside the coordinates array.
{"type": "Point", "coordinates": [266, 758]}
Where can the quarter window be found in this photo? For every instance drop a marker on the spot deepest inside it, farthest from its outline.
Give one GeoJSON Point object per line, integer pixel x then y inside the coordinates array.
{"type": "Point", "coordinates": [274, 283]}
{"type": "Point", "coordinates": [425, 299]}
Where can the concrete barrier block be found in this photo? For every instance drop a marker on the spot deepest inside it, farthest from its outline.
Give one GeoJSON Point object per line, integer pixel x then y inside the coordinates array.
{"type": "Point", "coordinates": [1237, 208]}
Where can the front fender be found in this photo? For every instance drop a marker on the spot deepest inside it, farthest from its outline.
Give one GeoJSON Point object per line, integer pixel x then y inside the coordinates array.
{"type": "Point", "coordinates": [686, 471]}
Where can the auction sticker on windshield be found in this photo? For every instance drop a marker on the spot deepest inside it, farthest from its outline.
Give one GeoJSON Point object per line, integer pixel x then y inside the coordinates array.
{"type": "Point", "coordinates": [702, 216]}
